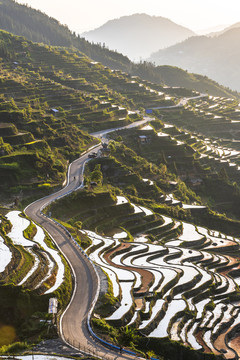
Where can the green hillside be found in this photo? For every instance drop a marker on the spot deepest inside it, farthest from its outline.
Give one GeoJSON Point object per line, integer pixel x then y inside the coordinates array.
{"type": "Point", "coordinates": [38, 27]}
{"type": "Point", "coordinates": [216, 57]}
{"type": "Point", "coordinates": [53, 97]}
{"type": "Point", "coordinates": [183, 166]}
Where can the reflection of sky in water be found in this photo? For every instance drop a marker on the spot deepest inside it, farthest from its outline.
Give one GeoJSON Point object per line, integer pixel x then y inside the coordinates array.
{"type": "Point", "coordinates": [5, 255]}
{"type": "Point", "coordinates": [19, 224]}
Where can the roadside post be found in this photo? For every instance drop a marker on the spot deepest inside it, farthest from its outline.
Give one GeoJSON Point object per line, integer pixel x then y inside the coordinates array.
{"type": "Point", "coordinates": [52, 308]}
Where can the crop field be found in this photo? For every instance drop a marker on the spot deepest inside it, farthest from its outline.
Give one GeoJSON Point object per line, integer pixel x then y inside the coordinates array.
{"type": "Point", "coordinates": [189, 287]}
{"type": "Point", "coordinates": [45, 272]}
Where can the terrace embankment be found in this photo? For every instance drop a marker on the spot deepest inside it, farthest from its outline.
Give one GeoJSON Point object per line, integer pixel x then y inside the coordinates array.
{"type": "Point", "coordinates": [147, 277]}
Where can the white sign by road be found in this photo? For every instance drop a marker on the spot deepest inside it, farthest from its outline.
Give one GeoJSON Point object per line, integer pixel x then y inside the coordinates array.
{"type": "Point", "coordinates": [52, 308]}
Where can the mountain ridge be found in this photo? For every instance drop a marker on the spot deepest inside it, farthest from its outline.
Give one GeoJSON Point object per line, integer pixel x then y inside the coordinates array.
{"type": "Point", "coordinates": [217, 57]}
{"type": "Point", "coordinates": [18, 25]}
{"type": "Point", "coordinates": [218, 33]}
{"type": "Point", "coordinates": [124, 33]}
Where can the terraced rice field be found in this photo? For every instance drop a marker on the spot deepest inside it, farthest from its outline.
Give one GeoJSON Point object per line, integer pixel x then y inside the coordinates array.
{"type": "Point", "coordinates": [46, 271]}
{"type": "Point", "coordinates": [185, 289]}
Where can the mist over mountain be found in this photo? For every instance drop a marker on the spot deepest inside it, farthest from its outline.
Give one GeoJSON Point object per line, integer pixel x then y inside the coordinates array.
{"type": "Point", "coordinates": [36, 26]}
{"type": "Point", "coordinates": [212, 30]}
{"type": "Point", "coordinates": [225, 29]}
{"type": "Point", "coordinates": [217, 57]}
{"type": "Point", "coordinates": [138, 35]}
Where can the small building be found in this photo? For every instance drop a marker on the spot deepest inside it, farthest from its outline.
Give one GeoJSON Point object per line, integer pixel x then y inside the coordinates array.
{"type": "Point", "coordinates": [195, 182]}
{"type": "Point", "coordinates": [148, 111]}
{"type": "Point", "coordinates": [143, 139]}
{"type": "Point", "coordinates": [173, 184]}
{"type": "Point", "coordinates": [54, 111]}
{"type": "Point", "coordinates": [93, 184]}
{"type": "Point", "coordinates": [104, 145]}
{"type": "Point", "coordinates": [105, 151]}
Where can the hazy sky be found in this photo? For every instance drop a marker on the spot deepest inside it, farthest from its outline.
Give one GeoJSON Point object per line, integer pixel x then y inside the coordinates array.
{"type": "Point", "coordinates": [83, 15]}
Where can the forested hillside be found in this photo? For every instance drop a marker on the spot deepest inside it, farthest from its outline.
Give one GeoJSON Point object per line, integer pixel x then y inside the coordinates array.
{"type": "Point", "coordinates": [217, 57]}
{"type": "Point", "coordinates": [38, 27]}
{"type": "Point", "coordinates": [139, 35]}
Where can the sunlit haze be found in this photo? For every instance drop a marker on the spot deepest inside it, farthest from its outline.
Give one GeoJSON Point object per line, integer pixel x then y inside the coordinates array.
{"type": "Point", "coordinates": [82, 15]}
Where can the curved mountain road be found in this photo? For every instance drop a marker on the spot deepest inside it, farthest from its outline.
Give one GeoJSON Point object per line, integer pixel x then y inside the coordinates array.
{"type": "Point", "coordinates": [182, 102]}
{"type": "Point", "coordinates": [73, 324]}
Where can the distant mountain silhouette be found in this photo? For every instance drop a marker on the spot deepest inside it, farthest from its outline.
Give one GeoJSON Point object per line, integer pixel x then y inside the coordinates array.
{"type": "Point", "coordinates": [38, 27]}
{"type": "Point", "coordinates": [34, 25]}
{"type": "Point", "coordinates": [212, 30]}
{"type": "Point", "coordinates": [138, 35]}
{"type": "Point", "coordinates": [217, 57]}
{"type": "Point", "coordinates": [220, 32]}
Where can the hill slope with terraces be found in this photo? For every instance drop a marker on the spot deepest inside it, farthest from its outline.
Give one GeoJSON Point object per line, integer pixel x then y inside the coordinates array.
{"type": "Point", "coordinates": [52, 96]}
{"type": "Point", "coordinates": [38, 27]}
{"type": "Point", "coordinates": [169, 279]}
{"type": "Point", "coordinates": [159, 199]}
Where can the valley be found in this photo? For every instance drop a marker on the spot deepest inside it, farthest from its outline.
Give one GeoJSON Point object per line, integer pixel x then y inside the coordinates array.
{"type": "Point", "coordinates": [119, 198]}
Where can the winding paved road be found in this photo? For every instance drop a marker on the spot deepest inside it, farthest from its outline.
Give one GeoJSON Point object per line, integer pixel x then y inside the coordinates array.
{"type": "Point", "coordinates": [73, 324]}
{"type": "Point", "coordinates": [182, 102]}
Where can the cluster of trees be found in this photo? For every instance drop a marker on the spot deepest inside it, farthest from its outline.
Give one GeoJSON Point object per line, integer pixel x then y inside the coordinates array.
{"type": "Point", "coordinates": [24, 21]}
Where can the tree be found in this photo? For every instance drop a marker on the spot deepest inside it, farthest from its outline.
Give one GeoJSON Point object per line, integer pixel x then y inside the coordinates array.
{"type": "Point", "coordinates": [223, 175]}
{"type": "Point", "coordinates": [127, 335]}
{"type": "Point", "coordinates": [96, 174]}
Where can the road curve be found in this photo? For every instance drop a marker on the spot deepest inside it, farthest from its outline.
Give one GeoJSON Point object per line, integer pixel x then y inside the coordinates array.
{"type": "Point", "coordinates": [73, 324]}
{"type": "Point", "coordinates": [182, 102]}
